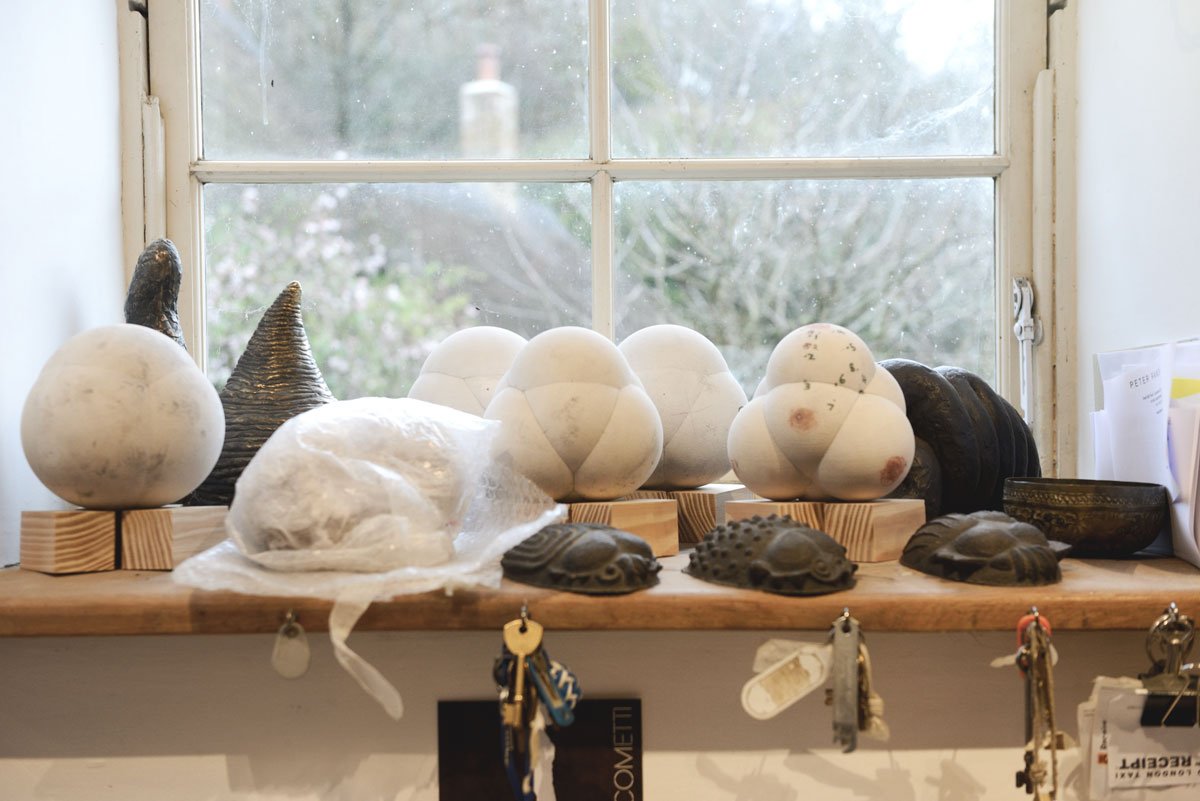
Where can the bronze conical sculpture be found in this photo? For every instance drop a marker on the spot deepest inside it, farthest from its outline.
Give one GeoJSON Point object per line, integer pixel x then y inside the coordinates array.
{"type": "Point", "coordinates": [273, 381]}
{"type": "Point", "coordinates": [153, 297]}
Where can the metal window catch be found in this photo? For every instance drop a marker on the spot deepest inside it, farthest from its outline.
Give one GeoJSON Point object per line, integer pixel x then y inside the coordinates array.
{"type": "Point", "coordinates": [1028, 328]}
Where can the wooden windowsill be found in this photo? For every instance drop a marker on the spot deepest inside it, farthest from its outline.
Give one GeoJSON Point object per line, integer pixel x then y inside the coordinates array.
{"type": "Point", "coordinates": [1094, 595]}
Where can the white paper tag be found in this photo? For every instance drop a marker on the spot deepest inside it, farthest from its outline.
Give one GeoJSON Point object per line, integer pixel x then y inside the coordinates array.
{"type": "Point", "coordinates": [291, 655]}
{"type": "Point", "coordinates": [784, 683]}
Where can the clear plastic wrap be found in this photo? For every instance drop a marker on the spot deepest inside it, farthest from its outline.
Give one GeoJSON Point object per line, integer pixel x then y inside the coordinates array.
{"type": "Point", "coordinates": [366, 499]}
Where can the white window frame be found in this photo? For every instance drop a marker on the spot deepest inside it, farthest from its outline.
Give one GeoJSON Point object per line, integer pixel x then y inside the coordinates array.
{"type": "Point", "coordinates": [175, 175]}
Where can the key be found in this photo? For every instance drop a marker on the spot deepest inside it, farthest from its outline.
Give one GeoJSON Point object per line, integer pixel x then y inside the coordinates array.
{"type": "Point", "coordinates": [846, 681]}
{"type": "Point", "coordinates": [522, 637]}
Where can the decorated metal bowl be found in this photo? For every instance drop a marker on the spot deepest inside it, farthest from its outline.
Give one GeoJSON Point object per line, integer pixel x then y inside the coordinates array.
{"type": "Point", "coordinates": [1105, 519]}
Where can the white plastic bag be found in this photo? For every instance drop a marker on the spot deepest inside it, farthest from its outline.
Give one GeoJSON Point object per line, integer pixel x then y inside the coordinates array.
{"type": "Point", "coordinates": [362, 500]}
{"type": "Point", "coordinates": [367, 485]}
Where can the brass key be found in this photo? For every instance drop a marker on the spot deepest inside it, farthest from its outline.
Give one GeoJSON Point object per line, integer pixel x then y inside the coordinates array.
{"type": "Point", "coordinates": [522, 637]}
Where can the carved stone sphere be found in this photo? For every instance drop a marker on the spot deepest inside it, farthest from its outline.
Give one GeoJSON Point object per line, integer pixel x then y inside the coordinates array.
{"type": "Point", "coordinates": [587, 558]}
{"type": "Point", "coordinates": [773, 554]}
{"type": "Point", "coordinates": [120, 418]}
{"type": "Point", "coordinates": [465, 368]}
{"type": "Point", "coordinates": [985, 548]}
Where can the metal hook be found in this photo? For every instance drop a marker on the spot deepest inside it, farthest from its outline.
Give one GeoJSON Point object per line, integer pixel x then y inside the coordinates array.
{"type": "Point", "coordinates": [290, 627]}
{"type": "Point", "coordinates": [524, 616]}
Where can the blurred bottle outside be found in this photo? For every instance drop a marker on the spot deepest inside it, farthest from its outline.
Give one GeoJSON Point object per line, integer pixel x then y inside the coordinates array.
{"type": "Point", "coordinates": [487, 120]}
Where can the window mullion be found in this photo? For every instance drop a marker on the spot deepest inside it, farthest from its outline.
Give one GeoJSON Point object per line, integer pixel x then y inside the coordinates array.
{"type": "Point", "coordinates": [600, 149]}
{"type": "Point", "coordinates": [509, 170]}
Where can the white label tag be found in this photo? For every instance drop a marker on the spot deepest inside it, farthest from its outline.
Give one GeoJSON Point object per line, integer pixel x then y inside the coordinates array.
{"type": "Point", "coordinates": [787, 681]}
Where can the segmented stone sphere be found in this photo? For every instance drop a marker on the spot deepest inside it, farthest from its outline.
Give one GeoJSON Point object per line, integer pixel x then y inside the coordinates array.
{"type": "Point", "coordinates": [120, 417]}
{"type": "Point", "coordinates": [464, 369]}
{"type": "Point", "coordinates": [696, 397]}
{"type": "Point", "coordinates": [575, 419]}
{"type": "Point", "coordinates": [824, 422]}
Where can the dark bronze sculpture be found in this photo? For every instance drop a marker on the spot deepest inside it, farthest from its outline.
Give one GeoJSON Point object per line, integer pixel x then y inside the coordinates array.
{"type": "Point", "coordinates": [774, 554]}
{"type": "Point", "coordinates": [976, 436]}
{"type": "Point", "coordinates": [273, 381]}
{"type": "Point", "coordinates": [587, 558]}
{"type": "Point", "coordinates": [153, 297]}
{"type": "Point", "coordinates": [924, 479]}
{"type": "Point", "coordinates": [985, 548]}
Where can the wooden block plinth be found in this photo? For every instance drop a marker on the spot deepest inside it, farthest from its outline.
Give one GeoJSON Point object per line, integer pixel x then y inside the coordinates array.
{"type": "Point", "coordinates": [70, 541]}
{"type": "Point", "coordinates": [873, 531]}
{"type": "Point", "coordinates": [654, 520]}
{"type": "Point", "coordinates": [159, 539]}
{"type": "Point", "coordinates": [700, 509]}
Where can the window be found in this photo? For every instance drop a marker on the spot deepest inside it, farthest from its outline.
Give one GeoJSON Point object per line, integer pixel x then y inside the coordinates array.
{"type": "Point", "coordinates": [741, 168]}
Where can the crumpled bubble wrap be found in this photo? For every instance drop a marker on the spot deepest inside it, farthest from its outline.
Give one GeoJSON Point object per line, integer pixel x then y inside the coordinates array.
{"type": "Point", "coordinates": [361, 500]}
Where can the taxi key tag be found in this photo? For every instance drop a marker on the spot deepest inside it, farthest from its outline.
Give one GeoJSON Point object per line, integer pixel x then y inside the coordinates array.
{"type": "Point", "coordinates": [778, 686]}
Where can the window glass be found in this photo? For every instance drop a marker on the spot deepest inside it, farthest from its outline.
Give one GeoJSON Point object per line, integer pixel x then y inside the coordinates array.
{"type": "Point", "coordinates": [907, 265]}
{"type": "Point", "coordinates": [393, 78]}
{"type": "Point", "coordinates": [713, 78]}
{"type": "Point", "coordinates": [389, 270]}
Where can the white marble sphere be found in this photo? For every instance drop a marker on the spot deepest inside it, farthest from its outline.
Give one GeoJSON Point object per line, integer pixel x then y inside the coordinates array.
{"type": "Point", "coordinates": [575, 419]}
{"type": "Point", "coordinates": [696, 397]}
{"type": "Point", "coordinates": [465, 367]}
{"type": "Point", "coordinates": [121, 418]}
{"type": "Point", "coordinates": [825, 422]}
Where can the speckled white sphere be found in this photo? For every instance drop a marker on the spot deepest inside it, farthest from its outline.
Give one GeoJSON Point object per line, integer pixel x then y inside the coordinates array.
{"type": "Point", "coordinates": [121, 418]}
{"type": "Point", "coordinates": [824, 422]}
{"type": "Point", "coordinates": [465, 367]}
{"type": "Point", "coordinates": [575, 419]}
{"type": "Point", "coordinates": [696, 397]}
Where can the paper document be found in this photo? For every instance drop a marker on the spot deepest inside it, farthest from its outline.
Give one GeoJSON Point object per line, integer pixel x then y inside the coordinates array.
{"type": "Point", "coordinates": [1125, 761]}
{"type": "Point", "coordinates": [1149, 429]}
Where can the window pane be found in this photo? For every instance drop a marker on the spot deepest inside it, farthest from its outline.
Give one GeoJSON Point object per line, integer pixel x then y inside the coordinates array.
{"type": "Point", "coordinates": [388, 271]}
{"type": "Point", "coordinates": [802, 77]}
{"type": "Point", "coordinates": [908, 265]}
{"type": "Point", "coordinates": [394, 79]}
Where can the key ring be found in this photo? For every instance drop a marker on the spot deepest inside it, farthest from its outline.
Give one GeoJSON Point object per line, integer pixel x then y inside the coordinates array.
{"type": "Point", "coordinates": [1173, 634]}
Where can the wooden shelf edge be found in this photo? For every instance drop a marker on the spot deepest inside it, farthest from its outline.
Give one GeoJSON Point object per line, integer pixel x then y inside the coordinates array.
{"type": "Point", "coordinates": [1094, 595]}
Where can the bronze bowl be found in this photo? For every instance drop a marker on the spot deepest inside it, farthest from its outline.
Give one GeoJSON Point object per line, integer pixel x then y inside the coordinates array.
{"type": "Point", "coordinates": [1105, 519]}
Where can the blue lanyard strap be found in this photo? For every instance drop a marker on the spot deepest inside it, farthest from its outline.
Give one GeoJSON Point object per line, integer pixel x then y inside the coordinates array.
{"type": "Point", "coordinates": [558, 690]}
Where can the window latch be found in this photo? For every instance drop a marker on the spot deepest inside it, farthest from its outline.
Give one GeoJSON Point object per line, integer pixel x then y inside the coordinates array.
{"type": "Point", "coordinates": [1028, 328]}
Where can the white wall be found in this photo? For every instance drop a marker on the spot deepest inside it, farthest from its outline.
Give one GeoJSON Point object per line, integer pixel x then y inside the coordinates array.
{"type": "Point", "coordinates": [1138, 182]}
{"type": "Point", "coordinates": [60, 215]}
{"type": "Point", "coordinates": [205, 718]}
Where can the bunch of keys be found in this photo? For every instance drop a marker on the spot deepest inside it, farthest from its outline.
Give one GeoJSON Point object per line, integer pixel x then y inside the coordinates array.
{"type": "Point", "coordinates": [526, 676]}
{"type": "Point", "coordinates": [1169, 681]}
{"type": "Point", "coordinates": [856, 707]}
{"type": "Point", "coordinates": [1034, 658]}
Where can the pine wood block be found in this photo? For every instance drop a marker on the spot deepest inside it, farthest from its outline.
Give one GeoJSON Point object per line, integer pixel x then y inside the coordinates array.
{"type": "Point", "coordinates": [873, 531]}
{"type": "Point", "coordinates": [808, 513]}
{"type": "Point", "coordinates": [655, 520]}
{"type": "Point", "coordinates": [700, 509]}
{"type": "Point", "coordinates": [159, 539]}
{"type": "Point", "coordinates": [69, 541]}
{"type": "Point", "coordinates": [876, 531]}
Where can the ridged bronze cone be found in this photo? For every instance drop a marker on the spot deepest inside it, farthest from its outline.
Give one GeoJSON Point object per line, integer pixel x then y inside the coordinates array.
{"type": "Point", "coordinates": [274, 380]}
{"type": "Point", "coordinates": [153, 297]}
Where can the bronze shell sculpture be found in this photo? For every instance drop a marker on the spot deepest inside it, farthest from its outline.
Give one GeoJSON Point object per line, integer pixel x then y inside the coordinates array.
{"type": "Point", "coordinates": [773, 554]}
{"type": "Point", "coordinates": [587, 558]}
{"type": "Point", "coordinates": [273, 381]}
{"type": "Point", "coordinates": [985, 548]}
{"type": "Point", "coordinates": [153, 296]}
{"type": "Point", "coordinates": [977, 438]}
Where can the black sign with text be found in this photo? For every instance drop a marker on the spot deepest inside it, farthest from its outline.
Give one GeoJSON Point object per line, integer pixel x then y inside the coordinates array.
{"type": "Point", "coordinates": [598, 757]}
